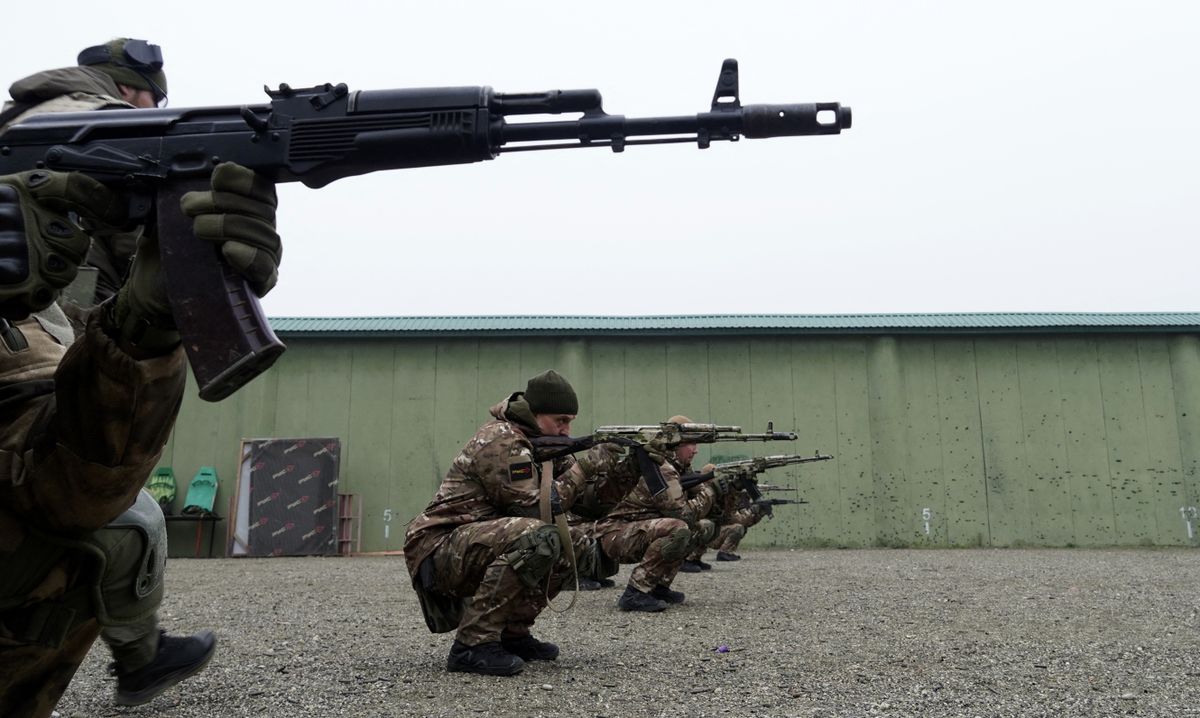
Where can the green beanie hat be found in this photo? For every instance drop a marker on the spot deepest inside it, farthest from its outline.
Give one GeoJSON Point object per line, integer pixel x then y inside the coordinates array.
{"type": "Point", "coordinates": [550, 393]}
{"type": "Point", "coordinates": [135, 63]}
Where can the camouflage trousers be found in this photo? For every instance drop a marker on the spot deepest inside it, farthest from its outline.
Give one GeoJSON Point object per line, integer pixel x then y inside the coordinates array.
{"type": "Point", "coordinates": [43, 643]}
{"type": "Point", "coordinates": [730, 534]}
{"type": "Point", "coordinates": [728, 537]}
{"type": "Point", "coordinates": [705, 535]}
{"type": "Point", "coordinates": [657, 546]}
{"type": "Point", "coordinates": [34, 677]}
{"type": "Point", "coordinates": [488, 564]}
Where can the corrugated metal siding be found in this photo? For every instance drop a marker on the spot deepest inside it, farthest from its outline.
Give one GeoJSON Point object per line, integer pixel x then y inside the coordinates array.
{"type": "Point", "coordinates": [1006, 440]}
{"type": "Point", "coordinates": [786, 323]}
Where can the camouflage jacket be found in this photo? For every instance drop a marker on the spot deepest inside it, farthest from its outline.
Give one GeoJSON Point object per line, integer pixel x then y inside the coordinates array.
{"type": "Point", "coordinates": [722, 509]}
{"type": "Point", "coordinates": [493, 476]}
{"type": "Point", "coordinates": [83, 426]}
{"type": "Point", "coordinates": [609, 473]}
{"type": "Point", "coordinates": [742, 510]}
{"type": "Point", "coordinates": [673, 503]}
{"type": "Point", "coordinates": [78, 89]}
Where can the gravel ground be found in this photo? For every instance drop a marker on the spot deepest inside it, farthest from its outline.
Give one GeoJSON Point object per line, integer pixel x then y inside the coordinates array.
{"type": "Point", "coordinates": [809, 633]}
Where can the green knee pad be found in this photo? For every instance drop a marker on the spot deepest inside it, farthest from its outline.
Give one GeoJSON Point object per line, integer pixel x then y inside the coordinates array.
{"type": "Point", "coordinates": [534, 554]}
{"type": "Point", "coordinates": [706, 531]}
{"type": "Point", "coordinates": [677, 545]}
{"type": "Point", "coordinates": [131, 557]}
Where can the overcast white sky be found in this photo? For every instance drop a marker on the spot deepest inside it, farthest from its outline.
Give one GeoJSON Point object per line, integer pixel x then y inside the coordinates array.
{"type": "Point", "coordinates": [1005, 156]}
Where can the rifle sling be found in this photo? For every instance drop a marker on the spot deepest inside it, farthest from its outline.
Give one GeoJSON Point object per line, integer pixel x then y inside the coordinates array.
{"type": "Point", "coordinates": [564, 533]}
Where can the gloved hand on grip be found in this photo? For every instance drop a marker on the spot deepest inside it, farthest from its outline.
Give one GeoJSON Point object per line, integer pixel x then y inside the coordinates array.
{"type": "Point", "coordinates": [41, 247]}
{"type": "Point", "coordinates": [238, 215]}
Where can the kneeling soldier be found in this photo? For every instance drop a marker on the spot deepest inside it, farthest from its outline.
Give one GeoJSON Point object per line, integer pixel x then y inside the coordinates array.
{"type": "Point", "coordinates": [486, 555]}
{"type": "Point", "coordinates": [658, 532]}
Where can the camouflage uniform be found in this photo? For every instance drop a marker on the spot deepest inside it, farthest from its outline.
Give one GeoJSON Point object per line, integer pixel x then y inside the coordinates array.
{"type": "Point", "coordinates": [480, 558]}
{"type": "Point", "coordinates": [83, 428]}
{"type": "Point", "coordinates": [732, 533]}
{"type": "Point", "coordinates": [656, 532]}
{"type": "Point", "coordinates": [719, 516]}
{"type": "Point", "coordinates": [133, 644]}
{"type": "Point", "coordinates": [78, 89]}
{"type": "Point", "coordinates": [609, 473]}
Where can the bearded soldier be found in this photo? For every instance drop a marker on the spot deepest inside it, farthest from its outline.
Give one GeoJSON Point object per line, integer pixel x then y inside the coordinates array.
{"type": "Point", "coordinates": [493, 547]}
{"type": "Point", "coordinates": [85, 420]}
{"type": "Point", "coordinates": [657, 532]}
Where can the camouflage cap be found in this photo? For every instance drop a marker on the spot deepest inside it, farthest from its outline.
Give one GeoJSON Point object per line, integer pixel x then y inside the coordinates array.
{"type": "Point", "coordinates": [550, 393]}
{"type": "Point", "coordinates": [131, 62]}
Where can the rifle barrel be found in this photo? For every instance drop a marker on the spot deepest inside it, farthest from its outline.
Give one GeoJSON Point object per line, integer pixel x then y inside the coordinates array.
{"type": "Point", "coordinates": [752, 121]}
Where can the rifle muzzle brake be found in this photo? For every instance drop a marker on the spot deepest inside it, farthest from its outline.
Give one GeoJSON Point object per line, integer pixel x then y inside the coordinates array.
{"type": "Point", "coordinates": [811, 118]}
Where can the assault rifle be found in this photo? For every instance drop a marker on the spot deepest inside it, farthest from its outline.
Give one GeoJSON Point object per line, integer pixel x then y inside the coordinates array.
{"type": "Point", "coordinates": [316, 135]}
{"type": "Point", "coordinates": [769, 504]}
{"type": "Point", "coordinates": [666, 435]}
{"type": "Point", "coordinates": [743, 474]}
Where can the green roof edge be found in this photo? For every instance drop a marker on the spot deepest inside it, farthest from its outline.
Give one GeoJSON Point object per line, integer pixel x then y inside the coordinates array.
{"type": "Point", "coordinates": [716, 324]}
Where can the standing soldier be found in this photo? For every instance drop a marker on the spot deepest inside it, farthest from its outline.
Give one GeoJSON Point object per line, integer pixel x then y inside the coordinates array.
{"type": "Point", "coordinates": [83, 428]}
{"type": "Point", "coordinates": [85, 419]}
{"type": "Point", "coordinates": [492, 548]}
{"type": "Point", "coordinates": [657, 532]}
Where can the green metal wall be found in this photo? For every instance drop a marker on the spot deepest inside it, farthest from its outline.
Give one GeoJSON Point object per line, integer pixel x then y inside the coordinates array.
{"type": "Point", "coordinates": [1039, 439]}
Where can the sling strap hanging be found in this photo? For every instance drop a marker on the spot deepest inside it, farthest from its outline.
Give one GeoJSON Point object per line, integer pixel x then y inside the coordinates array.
{"type": "Point", "coordinates": [564, 534]}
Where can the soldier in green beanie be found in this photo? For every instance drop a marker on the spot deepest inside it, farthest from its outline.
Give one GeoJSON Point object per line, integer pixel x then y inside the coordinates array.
{"type": "Point", "coordinates": [493, 547]}
{"type": "Point", "coordinates": [549, 393]}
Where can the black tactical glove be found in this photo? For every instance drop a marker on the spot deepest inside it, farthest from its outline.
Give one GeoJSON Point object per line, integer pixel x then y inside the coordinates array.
{"type": "Point", "coordinates": [40, 245]}
{"type": "Point", "coordinates": [238, 214]}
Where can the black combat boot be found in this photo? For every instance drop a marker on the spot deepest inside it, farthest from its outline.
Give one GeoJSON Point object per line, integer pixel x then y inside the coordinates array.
{"type": "Point", "coordinates": [588, 584]}
{"type": "Point", "coordinates": [704, 565]}
{"type": "Point", "coordinates": [635, 600]}
{"type": "Point", "coordinates": [664, 593]}
{"type": "Point", "coordinates": [177, 659]}
{"type": "Point", "coordinates": [529, 648]}
{"type": "Point", "coordinates": [727, 556]}
{"type": "Point", "coordinates": [488, 659]}
{"type": "Point", "coordinates": [690, 567]}
{"type": "Point", "coordinates": [606, 582]}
